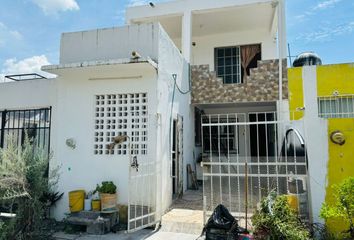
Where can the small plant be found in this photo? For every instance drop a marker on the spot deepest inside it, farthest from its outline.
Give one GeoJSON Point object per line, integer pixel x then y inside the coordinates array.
{"type": "Point", "coordinates": [107, 187]}
{"type": "Point", "coordinates": [275, 220]}
{"type": "Point", "coordinates": [343, 206]}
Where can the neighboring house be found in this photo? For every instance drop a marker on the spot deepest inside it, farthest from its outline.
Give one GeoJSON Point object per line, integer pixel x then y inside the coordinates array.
{"type": "Point", "coordinates": [188, 82]}
{"type": "Point", "coordinates": [335, 95]}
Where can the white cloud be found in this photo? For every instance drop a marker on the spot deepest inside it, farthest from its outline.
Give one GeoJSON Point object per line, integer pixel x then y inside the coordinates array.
{"type": "Point", "coordinates": [27, 65]}
{"type": "Point", "coordinates": [327, 33]}
{"type": "Point", "coordinates": [326, 4]}
{"type": "Point", "coordinates": [54, 6]}
{"type": "Point", "coordinates": [133, 3]}
{"type": "Point", "coordinates": [8, 35]}
{"type": "Point", "coordinates": [319, 7]}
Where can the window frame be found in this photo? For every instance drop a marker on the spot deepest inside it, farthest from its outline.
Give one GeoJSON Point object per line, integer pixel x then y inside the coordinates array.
{"type": "Point", "coordinates": [238, 73]}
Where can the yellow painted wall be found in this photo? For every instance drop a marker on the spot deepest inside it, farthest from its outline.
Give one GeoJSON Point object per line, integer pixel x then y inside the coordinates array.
{"type": "Point", "coordinates": [296, 99]}
{"type": "Point", "coordinates": [341, 162]}
{"type": "Point", "coordinates": [330, 78]}
{"type": "Point", "coordinates": [338, 77]}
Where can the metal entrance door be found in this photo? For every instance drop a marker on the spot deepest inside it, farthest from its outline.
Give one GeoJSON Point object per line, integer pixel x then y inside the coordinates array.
{"type": "Point", "coordinates": [177, 158]}
{"type": "Point", "coordinates": [275, 154]}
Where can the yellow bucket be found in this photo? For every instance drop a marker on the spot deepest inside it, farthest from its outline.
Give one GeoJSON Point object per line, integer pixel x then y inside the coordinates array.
{"type": "Point", "coordinates": [293, 201]}
{"type": "Point", "coordinates": [76, 200]}
{"type": "Point", "coordinates": [96, 205]}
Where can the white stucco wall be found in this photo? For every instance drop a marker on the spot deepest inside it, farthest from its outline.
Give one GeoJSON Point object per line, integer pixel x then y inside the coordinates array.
{"type": "Point", "coordinates": [109, 43]}
{"type": "Point", "coordinates": [172, 62]}
{"type": "Point", "coordinates": [28, 94]}
{"type": "Point", "coordinates": [80, 168]}
{"type": "Point", "coordinates": [203, 52]}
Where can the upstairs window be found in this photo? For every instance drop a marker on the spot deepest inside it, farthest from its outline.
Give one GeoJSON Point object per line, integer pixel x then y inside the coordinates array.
{"type": "Point", "coordinates": [233, 64]}
{"type": "Point", "coordinates": [228, 64]}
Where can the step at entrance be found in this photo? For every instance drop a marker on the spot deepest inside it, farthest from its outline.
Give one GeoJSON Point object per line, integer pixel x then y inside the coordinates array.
{"type": "Point", "coordinates": [183, 221]}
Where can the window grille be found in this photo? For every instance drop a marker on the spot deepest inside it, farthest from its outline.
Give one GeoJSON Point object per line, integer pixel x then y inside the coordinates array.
{"type": "Point", "coordinates": [228, 64]}
{"type": "Point", "coordinates": [35, 123]}
{"type": "Point", "coordinates": [336, 106]}
{"type": "Point", "coordinates": [121, 115]}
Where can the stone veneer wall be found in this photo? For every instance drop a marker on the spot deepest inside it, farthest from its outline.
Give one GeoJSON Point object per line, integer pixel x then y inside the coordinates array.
{"type": "Point", "coordinates": [261, 85]}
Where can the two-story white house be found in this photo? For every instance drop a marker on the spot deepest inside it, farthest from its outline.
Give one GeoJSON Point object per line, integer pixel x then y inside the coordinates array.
{"type": "Point", "coordinates": [174, 67]}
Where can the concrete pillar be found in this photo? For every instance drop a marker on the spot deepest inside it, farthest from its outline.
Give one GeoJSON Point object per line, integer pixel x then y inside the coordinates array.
{"type": "Point", "coordinates": [187, 35]}
{"type": "Point", "coordinates": [316, 139]}
{"type": "Point", "coordinates": [281, 49]}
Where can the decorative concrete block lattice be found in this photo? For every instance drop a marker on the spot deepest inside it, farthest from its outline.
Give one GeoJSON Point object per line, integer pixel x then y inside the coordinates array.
{"type": "Point", "coordinates": [121, 115]}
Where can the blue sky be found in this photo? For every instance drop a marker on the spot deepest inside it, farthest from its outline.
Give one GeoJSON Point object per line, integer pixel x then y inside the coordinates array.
{"type": "Point", "coordinates": [30, 29]}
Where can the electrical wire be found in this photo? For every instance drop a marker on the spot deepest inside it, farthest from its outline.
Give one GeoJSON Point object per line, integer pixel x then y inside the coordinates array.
{"type": "Point", "coordinates": [174, 76]}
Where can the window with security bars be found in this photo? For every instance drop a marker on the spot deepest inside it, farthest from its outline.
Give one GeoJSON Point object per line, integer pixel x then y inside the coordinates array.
{"type": "Point", "coordinates": [228, 64]}
{"type": "Point", "coordinates": [336, 106]}
{"type": "Point", "coordinates": [121, 115]}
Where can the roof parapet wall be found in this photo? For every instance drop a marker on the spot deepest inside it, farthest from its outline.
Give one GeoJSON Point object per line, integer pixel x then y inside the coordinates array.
{"type": "Point", "coordinates": [110, 43]}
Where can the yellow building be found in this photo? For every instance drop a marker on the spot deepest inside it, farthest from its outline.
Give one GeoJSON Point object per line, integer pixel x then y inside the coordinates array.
{"type": "Point", "coordinates": [335, 91]}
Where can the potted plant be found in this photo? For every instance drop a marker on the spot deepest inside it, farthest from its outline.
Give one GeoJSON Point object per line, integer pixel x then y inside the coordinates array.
{"type": "Point", "coordinates": [88, 197]}
{"type": "Point", "coordinates": [108, 195]}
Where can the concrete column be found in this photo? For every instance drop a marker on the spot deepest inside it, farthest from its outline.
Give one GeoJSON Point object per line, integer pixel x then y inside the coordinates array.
{"type": "Point", "coordinates": [316, 139]}
{"type": "Point", "coordinates": [281, 49]}
{"type": "Point", "coordinates": [187, 35]}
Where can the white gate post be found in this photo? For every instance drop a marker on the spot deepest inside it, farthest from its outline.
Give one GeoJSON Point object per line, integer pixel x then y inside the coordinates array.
{"type": "Point", "coordinates": [316, 141]}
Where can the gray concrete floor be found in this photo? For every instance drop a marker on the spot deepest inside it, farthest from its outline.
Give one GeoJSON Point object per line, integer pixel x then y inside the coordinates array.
{"type": "Point", "coordinates": [142, 234]}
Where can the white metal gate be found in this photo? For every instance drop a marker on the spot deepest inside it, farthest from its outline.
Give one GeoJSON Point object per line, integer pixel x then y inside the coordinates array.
{"type": "Point", "coordinates": [142, 193]}
{"type": "Point", "coordinates": [271, 153]}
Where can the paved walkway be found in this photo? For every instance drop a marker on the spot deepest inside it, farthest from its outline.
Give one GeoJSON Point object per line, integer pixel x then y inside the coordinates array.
{"type": "Point", "coordinates": [142, 234]}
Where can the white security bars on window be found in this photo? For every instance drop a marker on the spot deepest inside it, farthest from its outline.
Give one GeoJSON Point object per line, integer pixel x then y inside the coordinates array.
{"type": "Point", "coordinates": [340, 106]}
{"type": "Point", "coordinates": [121, 115]}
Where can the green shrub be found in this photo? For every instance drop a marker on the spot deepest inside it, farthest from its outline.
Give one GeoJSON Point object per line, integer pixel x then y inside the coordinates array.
{"type": "Point", "coordinates": [107, 187]}
{"type": "Point", "coordinates": [275, 220]}
{"type": "Point", "coordinates": [23, 184]}
{"type": "Point", "coordinates": [343, 206]}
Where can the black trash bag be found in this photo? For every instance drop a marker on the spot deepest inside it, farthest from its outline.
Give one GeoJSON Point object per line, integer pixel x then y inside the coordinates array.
{"type": "Point", "coordinates": [221, 219]}
{"type": "Point", "coordinates": [221, 225]}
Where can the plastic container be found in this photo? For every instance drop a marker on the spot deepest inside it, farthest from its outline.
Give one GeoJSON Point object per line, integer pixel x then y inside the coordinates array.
{"type": "Point", "coordinates": [76, 200]}
{"type": "Point", "coordinates": [87, 205]}
{"type": "Point", "coordinates": [108, 202]}
{"type": "Point", "coordinates": [96, 205]}
{"type": "Point", "coordinates": [293, 201]}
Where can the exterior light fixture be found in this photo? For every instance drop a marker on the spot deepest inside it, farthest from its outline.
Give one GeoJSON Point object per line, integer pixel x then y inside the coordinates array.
{"type": "Point", "coordinates": [152, 4]}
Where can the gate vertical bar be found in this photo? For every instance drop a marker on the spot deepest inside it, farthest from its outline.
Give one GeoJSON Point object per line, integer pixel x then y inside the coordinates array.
{"type": "Point", "coordinates": [2, 129]}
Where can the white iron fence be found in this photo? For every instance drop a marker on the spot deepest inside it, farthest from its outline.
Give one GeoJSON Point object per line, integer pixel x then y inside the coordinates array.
{"type": "Point", "coordinates": [246, 156]}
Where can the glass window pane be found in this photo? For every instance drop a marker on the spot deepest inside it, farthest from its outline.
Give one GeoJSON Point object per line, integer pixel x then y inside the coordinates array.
{"type": "Point", "coordinates": [220, 52]}
{"type": "Point", "coordinates": [228, 52]}
{"type": "Point", "coordinates": [228, 70]}
{"type": "Point", "coordinates": [235, 60]}
{"type": "Point", "coordinates": [235, 69]}
{"type": "Point", "coordinates": [221, 71]}
{"type": "Point", "coordinates": [221, 61]}
{"type": "Point", "coordinates": [236, 79]}
{"type": "Point", "coordinates": [228, 61]}
{"type": "Point", "coordinates": [228, 79]}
